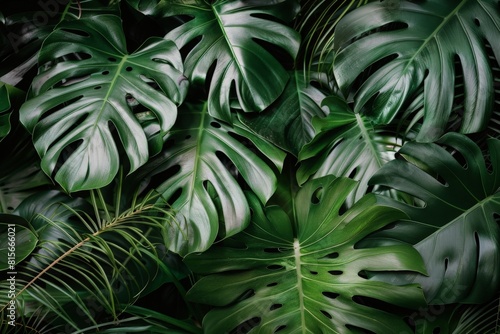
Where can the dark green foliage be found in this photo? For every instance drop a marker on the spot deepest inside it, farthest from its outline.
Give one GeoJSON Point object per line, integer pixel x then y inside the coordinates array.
{"type": "Point", "coordinates": [250, 166]}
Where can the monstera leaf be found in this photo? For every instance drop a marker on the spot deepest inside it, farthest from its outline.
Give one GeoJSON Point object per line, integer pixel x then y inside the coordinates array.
{"type": "Point", "coordinates": [303, 273]}
{"type": "Point", "coordinates": [81, 104]}
{"type": "Point", "coordinates": [287, 123]}
{"type": "Point", "coordinates": [204, 155]}
{"type": "Point", "coordinates": [418, 43]}
{"type": "Point", "coordinates": [346, 144]}
{"type": "Point", "coordinates": [227, 35]}
{"type": "Point", "coordinates": [455, 228]}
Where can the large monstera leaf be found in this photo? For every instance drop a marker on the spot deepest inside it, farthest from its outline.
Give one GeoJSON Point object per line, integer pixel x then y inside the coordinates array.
{"type": "Point", "coordinates": [226, 35]}
{"type": "Point", "coordinates": [81, 103]}
{"type": "Point", "coordinates": [346, 144]}
{"type": "Point", "coordinates": [200, 170]}
{"type": "Point", "coordinates": [303, 273]}
{"type": "Point", "coordinates": [419, 43]}
{"type": "Point", "coordinates": [455, 228]}
{"type": "Point", "coordinates": [287, 123]}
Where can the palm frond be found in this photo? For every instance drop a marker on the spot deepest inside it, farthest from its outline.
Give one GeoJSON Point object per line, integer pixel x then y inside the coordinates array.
{"type": "Point", "coordinates": [87, 266]}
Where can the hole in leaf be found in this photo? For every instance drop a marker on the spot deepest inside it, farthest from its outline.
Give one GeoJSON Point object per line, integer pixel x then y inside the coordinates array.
{"type": "Point", "coordinates": [187, 137]}
{"type": "Point", "coordinates": [105, 73]}
{"type": "Point", "coordinates": [331, 295]}
{"type": "Point", "coordinates": [215, 125]}
{"type": "Point", "coordinates": [189, 46]}
{"type": "Point", "coordinates": [280, 328]}
{"type": "Point", "coordinates": [496, 218]}
{"type": "Point", "coordinates": [161, 60]}
{"type": "Point", "coordinates": [51, 111]}
{"type": "Point", "coordinates": [175, 196]}
{"type": "Point", "coordinates": [316, 196]}
{"type": "Point", "coordinates": [275, 307]}
{"type": "Point", "coordinates": [275, 267]}
{"type": "Point", "coordinates": [333, 255]}
{"type": "Point", "coordinates": [477, 23]}
{"type": "Point", "coordinates": [157, 179]}
{"type": "Point", "coordinates": [70, 81]}
{"type": "Point", "coordinates": [268, 17]}
{"type": "Point", "coordinates": [446, 264]}
{"type": "Point", "coordinates": [111, 59]}
{"type": "Point", "coordinates": [363, 274]}
{"type": "Point", "coordinates": [228, 164]}
{"type": "Point", "coordinates": [246, 326]}
{"type": "Point", "coordinates": [128, 69]}
{"type": "Point", "coordinates": [272, 284]}
{"type": "Point", "coordinates": [313, 272]}
{"type": "Point", "coordinates": [342, 209]}
{"type": "Point", "coordinates": [209, 76]}
{"type": "Point", "coordinates": [97, 87]}
{"type": "Point", "coordinates": [76, 32]}
{"type": "Point", "coordinates": [436, 330]}
{"type": "Point", "coordinates": [284, 57]}
{"type": "Point", "coordinates": [335, 272]}
{"type": "Point", "coordinates": [459, 94]}
{"type": "Point", "coordinates": [10, 208]}
{"type": "Point", "coordinates": [67, 151]}
{"type": "Point", "coordinates": [353, 173]}
{"type": "Point", "coordinates": [460, 158]}
{"type": "Point", "coordinates": [326, 314]}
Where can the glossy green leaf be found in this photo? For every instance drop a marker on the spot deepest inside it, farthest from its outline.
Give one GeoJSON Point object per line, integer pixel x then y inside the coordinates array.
{"type": "Point", "coordinates": [21, 174]}
{"type": "Point", "coordinates": [287, 123]}
{"type": "Point", "coordinates": [417, 44]}
{"type": "Point", "coordinates": [303, 273]}
{"type": "Point", "coordinates": [226, 34]}
{"type": "Point", "coordinates": [17, 242]}
{"type": "Point", "coordinates": [454, 218]}
{"type": "Point", "coordinates": [202, 151]}
{"type": "Point", "coordinates": [346, 144]}
{"type": "Point", "coordinates": [81, 106]}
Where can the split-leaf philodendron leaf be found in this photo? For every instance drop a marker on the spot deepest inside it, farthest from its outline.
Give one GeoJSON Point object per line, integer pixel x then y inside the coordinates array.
{"type": "Point", "coordinates": [227, 34]}
{"type": "Point", "coordinates": [203, 153]}
{"type": "Point", "coordinates": [81, 105]}
{"type": "Point", "coordinates": [304, 273]}
{"type": "Point", "coordinates": [346, 144]}
{"type": "Point", "coordinates": [457, 230]}
{"type": "Point", "coordinates": [287, 123]}
{"type": "Point", "coordinates": [418, 43]}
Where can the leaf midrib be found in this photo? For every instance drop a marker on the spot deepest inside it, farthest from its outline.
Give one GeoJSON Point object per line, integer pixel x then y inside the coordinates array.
{"type": "Point", "coordinates": [368, 140]}
{"type": "Point", "coordinates": [228, 41]}
{"type": "Point", "coordinates": [197, 155]}
{"type": "Point", "coordinates": [434, 34]}
{"type": "Point", "coordinates": [494, 198]}
{"type": "Point", "coordinates": [298, 272]}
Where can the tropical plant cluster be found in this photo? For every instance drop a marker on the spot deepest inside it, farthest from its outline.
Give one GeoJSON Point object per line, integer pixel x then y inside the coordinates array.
{"type": "Point", "coordinates": [250, 166]}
